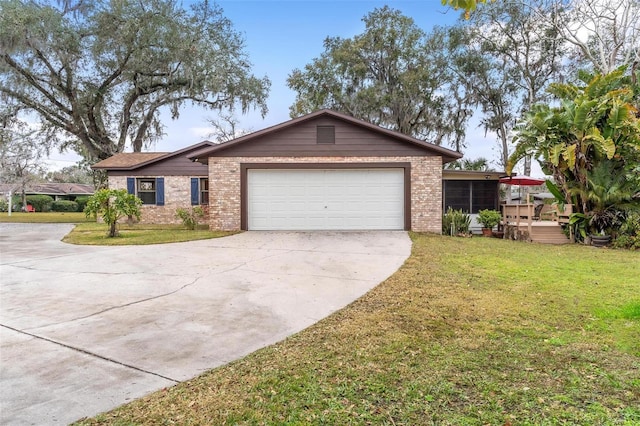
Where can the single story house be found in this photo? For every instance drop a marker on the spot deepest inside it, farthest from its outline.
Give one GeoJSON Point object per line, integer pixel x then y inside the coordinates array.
{"type": "Point", "coordinates": [324, 170]}
{"type": "Point", "coordinates": [164, 181]}
{"type": "Point", "coordinates": [58, 191]}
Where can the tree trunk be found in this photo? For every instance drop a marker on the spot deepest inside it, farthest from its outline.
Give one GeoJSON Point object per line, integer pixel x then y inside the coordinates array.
{"type": "Point", "coordinates": [527, 165]}
{"type": "Point", "coordinates": [24, 198]}
{"type": "Point", "coordinates": [100, 179]}
{"type": "Point", "coordinates": [112, 230]}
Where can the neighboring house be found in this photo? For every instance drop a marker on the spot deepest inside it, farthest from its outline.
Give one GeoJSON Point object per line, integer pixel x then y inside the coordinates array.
{"type": "Point", "coordinates": [164, 181]}
{"type": "Point", "coordinates": [58, 191]}
{"type": "Point", "coordinates": [324, 170]}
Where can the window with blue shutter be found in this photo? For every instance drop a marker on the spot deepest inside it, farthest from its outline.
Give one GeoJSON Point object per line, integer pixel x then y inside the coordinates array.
{"type": "Point", "coordinates": [131, 185]}
{"type": "Point", "coordinates": [146, 190]}
{"type": "Point", "coordinates": [159, 191]}
{"type": "Point", "coordinates": [195, 192]}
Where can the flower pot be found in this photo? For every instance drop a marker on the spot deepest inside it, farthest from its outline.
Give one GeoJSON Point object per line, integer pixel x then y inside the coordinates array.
{"type": "Point", "coordinates": [600, 240]}
{"type": "Point", "coordinates": [486, 232]}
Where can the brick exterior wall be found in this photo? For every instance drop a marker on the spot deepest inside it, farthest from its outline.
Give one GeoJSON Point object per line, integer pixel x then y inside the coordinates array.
{"type": "Point", "coordinates": [426, 187]}
{"type": "Point", "coordinates": [177, 194]}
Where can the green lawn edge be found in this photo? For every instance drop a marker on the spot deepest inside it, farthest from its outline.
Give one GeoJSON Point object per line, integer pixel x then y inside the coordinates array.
{"type": "Point", "coordinates": [45, 217]}
{"type": "Point", "coordinates": [88, 232]}
{"type": "Point", "coordinates": [468, 332]}
{"type": "Point", "coordinates": [138, 234]}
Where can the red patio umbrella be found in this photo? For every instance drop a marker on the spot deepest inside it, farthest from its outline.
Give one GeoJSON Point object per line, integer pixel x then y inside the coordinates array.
{"type": "Point", "coordinates": [521, 180]}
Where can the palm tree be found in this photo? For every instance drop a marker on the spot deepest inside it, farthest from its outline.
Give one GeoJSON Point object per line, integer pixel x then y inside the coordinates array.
{"type": "Point", "coordinates": [593, 124]}
{"type": "Point", "coordinates": [479, 164]}
{"type": "Point", "coordinates": [607, 193]}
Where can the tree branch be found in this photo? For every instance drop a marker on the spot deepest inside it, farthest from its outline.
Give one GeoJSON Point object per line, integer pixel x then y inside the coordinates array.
{"type": "Point", "coordinates": [32, 80]}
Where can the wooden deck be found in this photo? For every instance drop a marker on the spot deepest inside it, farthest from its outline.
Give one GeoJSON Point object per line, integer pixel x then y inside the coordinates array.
{"type": "Point", "coordinates": [544, 231]}
{"type": "Point", "coordinates": [519, 223]}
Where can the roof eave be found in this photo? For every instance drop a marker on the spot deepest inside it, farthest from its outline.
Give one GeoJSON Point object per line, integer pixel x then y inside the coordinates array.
{"type": "Point", "coordinates": [154, 160]}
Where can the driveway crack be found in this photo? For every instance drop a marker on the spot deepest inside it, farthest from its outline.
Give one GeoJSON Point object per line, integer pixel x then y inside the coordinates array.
{"type": "Point", "coordinates": [135, 302]}
{"type": "Point", "coordinates": [86, 352]}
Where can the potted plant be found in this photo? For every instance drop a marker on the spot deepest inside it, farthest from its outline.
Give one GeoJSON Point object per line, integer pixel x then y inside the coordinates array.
{"type": "Point", "coordinates": [488, 219]}
{"type": "Point", "coordinates": [602, 222]}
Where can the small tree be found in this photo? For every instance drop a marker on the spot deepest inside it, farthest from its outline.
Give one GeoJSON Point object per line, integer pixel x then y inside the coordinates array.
{"type": "Point", "coordinates": [111, 205]}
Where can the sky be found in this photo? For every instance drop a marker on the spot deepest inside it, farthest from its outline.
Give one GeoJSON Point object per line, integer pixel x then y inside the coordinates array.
{"type": "Point", "coordinates": [282, 35]}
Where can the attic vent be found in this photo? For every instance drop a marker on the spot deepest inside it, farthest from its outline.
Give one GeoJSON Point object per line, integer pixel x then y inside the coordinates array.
{"type": "Point", "coordinates": [326, 134]}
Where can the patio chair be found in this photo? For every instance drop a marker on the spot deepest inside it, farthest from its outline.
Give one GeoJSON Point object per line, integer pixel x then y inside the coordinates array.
{"type": "Point", "coordinates": [536, 211]}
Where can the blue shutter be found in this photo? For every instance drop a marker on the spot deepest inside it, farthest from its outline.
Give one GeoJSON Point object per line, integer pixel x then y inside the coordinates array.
{"type": "Point", "coordinates": [195, 191]}
{"type": "Point", "coordinates": [131, 185]}
{"type": "Point", "coordinates": [159, 191]}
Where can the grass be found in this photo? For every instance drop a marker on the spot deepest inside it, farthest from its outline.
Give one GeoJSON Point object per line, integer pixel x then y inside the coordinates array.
{"type": "Point", "coordinates": [138, 234]}
{"type": "Point", "coordinates": [45, 217]}
{"type": "Point", "coordinates": [88, 232]}
{"type": "Point", "coordinates": [468, 332]}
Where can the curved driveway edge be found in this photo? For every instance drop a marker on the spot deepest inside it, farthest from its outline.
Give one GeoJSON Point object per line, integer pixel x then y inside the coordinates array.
{"type": "Point", "coordinates": [85, 329]}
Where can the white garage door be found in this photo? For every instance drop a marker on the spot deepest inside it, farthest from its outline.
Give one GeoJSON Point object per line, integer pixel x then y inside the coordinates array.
{"type": "Point", "coordinates": [325, 199]}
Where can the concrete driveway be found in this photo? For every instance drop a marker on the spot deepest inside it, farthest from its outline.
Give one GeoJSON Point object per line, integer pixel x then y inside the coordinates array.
{"type": "Point", "coordinates": [85, 329]}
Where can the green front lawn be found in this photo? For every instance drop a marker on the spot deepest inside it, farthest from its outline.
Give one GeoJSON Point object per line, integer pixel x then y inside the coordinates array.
{"type": "Point", "coordinates": [88, 232]}
{"type": "Point", "coordinates": [468, 332]}
{"type": "Point", "coordinates": [138, 234]}
{"type": "Point", "coordinates": [44, 217]}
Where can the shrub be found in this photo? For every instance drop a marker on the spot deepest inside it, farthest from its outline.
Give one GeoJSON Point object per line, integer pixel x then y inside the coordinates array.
{"type": "Point", "coordinates": [4, 205]}
{"type": "Point", "coordinates": [64, 206]}
{"type": "Point", "coordinates": [489, 218]}
{"type": "Point", "coordinates": [630, 242]}
{"type": "Point", "coordinates": [631, 224]}
{"type": "Point", "coordinates": [456, 222]}
{"type": "Point", "coordinates": [42, 203]}
{"type": "Point", "coordinates": [82, 202]}
{"type": "Point", "coordinates": [629, 232]}
{"type": "Point", "coordinates": [190, 218]}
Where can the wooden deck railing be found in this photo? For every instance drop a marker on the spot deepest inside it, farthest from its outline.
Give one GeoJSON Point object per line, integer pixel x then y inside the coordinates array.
{"type": "Point", "coordinates": [517, 214]}
{"type": "Point", "coordinates": [524, 214]}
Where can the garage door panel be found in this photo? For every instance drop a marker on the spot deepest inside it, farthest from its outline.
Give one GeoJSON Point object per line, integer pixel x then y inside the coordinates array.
{"type": "Point", "coordinates": [340, 199]}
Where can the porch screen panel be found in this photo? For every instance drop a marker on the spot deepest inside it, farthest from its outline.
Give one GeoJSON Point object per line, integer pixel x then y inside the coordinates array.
{"type": "Point", "coordinates": [457, 195]}
{"type": "Point", "coordinates": [470, 196]}
{"type": "Point", "coordinates": [484, 195]}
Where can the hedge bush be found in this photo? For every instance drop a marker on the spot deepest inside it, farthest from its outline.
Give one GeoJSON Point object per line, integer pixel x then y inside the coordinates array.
{"type": "Point", "coordinates": [82, 202]}
{"type": "Point", "coordinates": [42, 203]}
{"type": "Point", "coordinates": [64, 206]}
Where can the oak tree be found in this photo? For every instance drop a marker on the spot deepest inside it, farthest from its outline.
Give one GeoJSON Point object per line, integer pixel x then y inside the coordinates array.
{"type": "Point", "coordinates": [21, 151]}
{"type": "Point", "coordinates": [99, 73]}
{"type": "Point", "coordinates": [391, 75]}
{"type": "Point", "coordinates": [516, 56]}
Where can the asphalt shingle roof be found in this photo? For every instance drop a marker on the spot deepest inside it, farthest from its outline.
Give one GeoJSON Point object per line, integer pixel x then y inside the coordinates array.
{"type": "Point", "coordinates": [127, 159]}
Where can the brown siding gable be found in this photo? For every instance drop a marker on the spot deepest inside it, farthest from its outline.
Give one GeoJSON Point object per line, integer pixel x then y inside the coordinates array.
{"type": "Point", "coordinates": [421, 146]}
